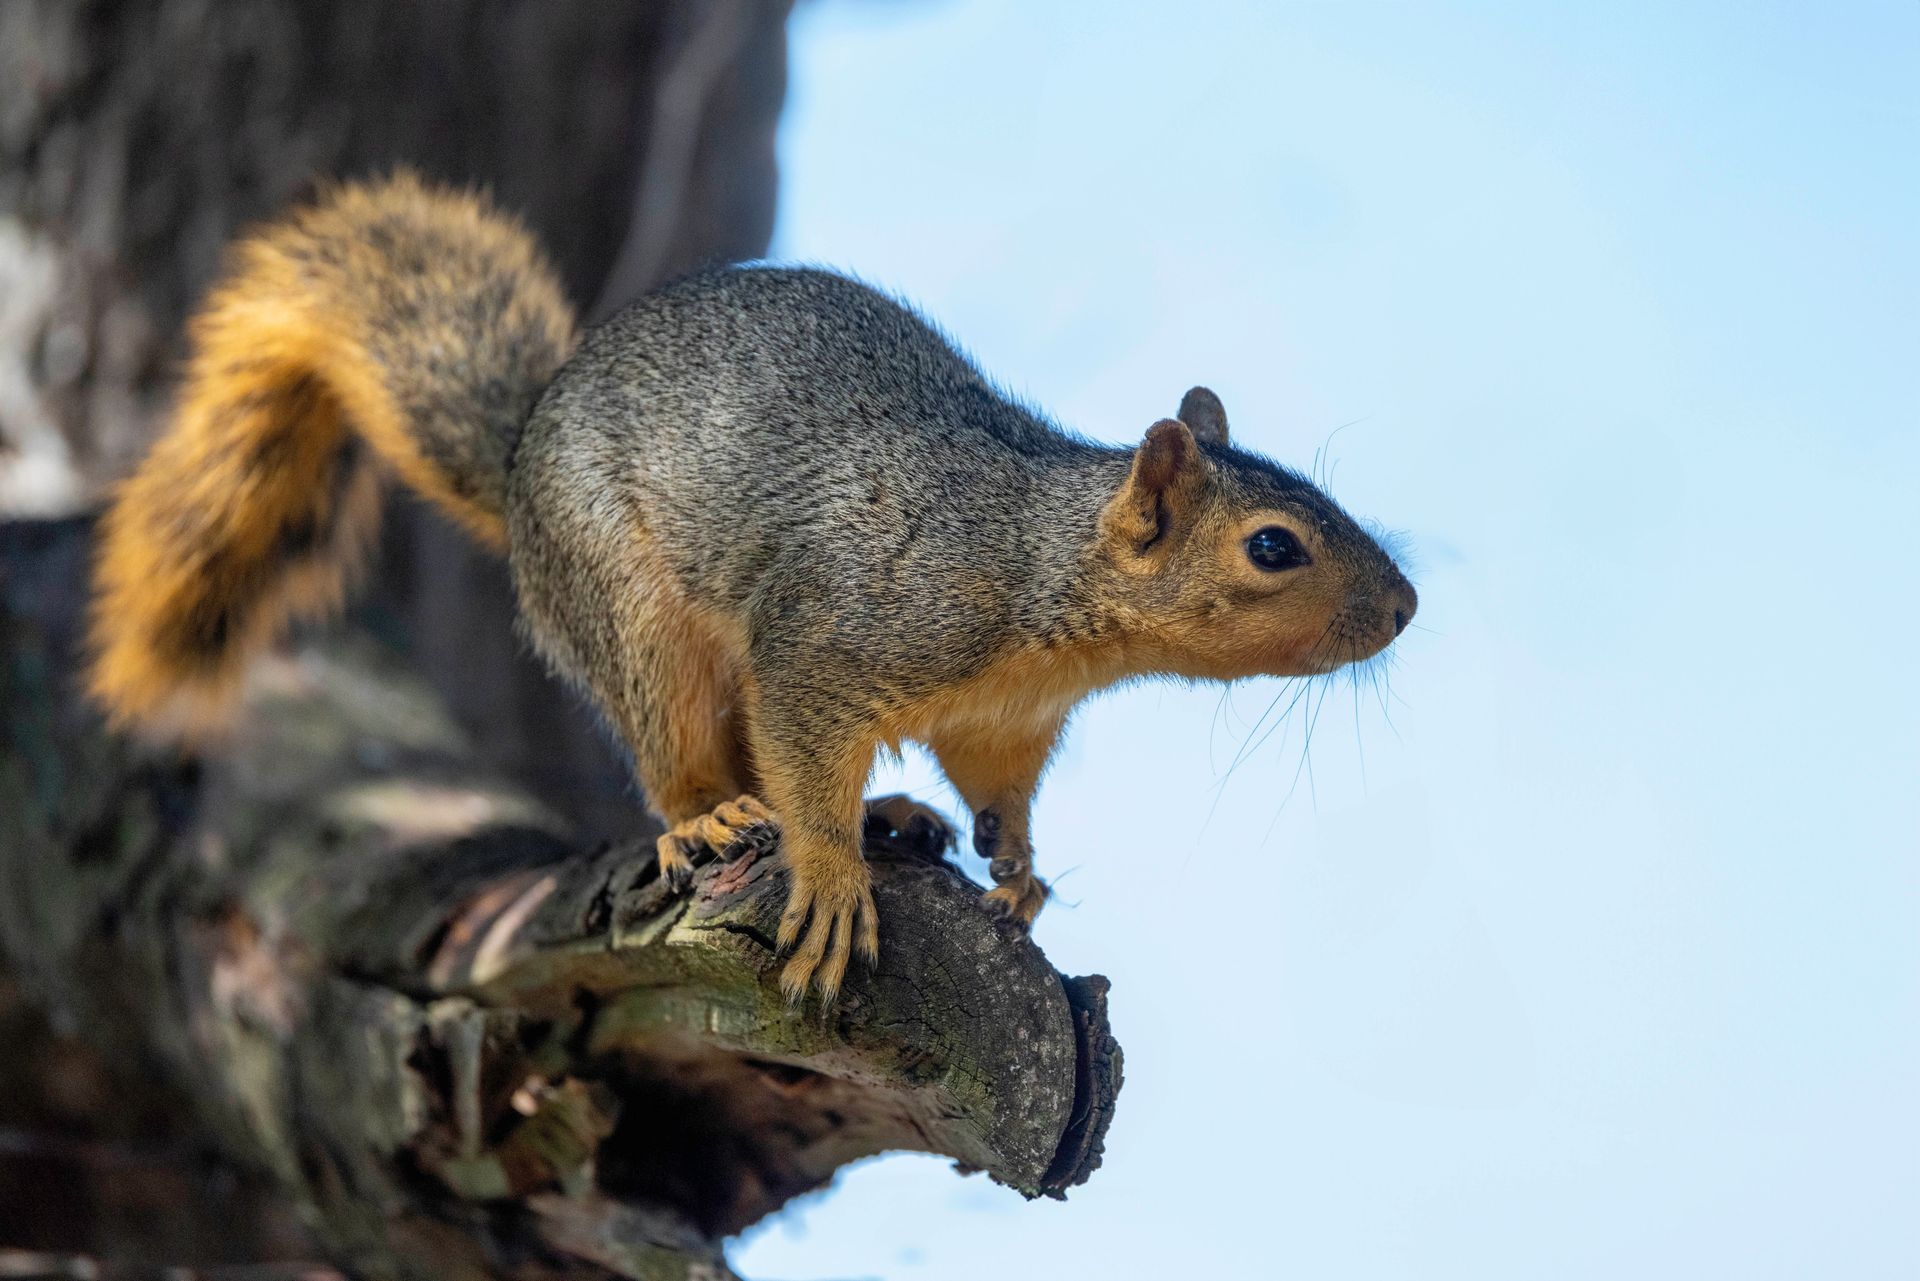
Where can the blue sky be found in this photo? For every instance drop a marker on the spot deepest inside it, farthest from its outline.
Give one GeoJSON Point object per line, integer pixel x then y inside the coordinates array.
{"type": "Point", "coordinates": [1595, 951]}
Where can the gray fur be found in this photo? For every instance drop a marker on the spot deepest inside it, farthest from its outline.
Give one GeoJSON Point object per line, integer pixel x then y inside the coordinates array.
{"type": "Point", "coordinates": [771, 519]}
{"type": "Point", "coordinates": [820, 461]}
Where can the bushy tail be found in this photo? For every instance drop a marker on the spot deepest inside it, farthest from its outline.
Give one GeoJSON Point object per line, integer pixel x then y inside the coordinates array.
{"type": "Point", "coordinates": [390, 329]}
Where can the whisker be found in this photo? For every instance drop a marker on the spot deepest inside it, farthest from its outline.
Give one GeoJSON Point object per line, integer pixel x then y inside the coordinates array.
{"type": "Point", "coordinates": [1213, 729]}
{"type": "Point", "coordinates": [1306, 747]}
{"type": "Point", "coordinates": [1221, 780]}
{"type": "Point", "coordinates": [1306, 687]}
{"type": "Point", "coordinates": [1053, 886]}
{"type": "Point", "coordinates": [1359, 739]}
{"type": "Point", "coordinates": [1251, 746]}
{"type": "Point", "coordinates": [1384, 673]}
{"type": "Point", "coordinates": [1325, 451]}
{"type": "Point", "coordinates": [1213, 765]}
{"type": "Point", "coordinates": [1241, 754]}
{"type": "Point", "coordinates": [1307, 683]}
{"type": "Point", "coordinates": [1304, 767]}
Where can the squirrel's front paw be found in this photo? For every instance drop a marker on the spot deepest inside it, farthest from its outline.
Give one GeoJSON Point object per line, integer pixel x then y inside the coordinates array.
{"type": "Point", "coordinates": [906, 825]}
{"type": "Point", "coordinates": [1018, 894]}
{"type": "Point", "coordinates": [829, 912]}
{"type": "Point", "coordinates": [1018, 900]}
{"type": "Point", "coordinates": [728, 830]}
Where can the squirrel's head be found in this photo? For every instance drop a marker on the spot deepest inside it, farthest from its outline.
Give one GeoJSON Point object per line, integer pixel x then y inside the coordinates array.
{"type": "Point", "coordinates": [1230, 565]}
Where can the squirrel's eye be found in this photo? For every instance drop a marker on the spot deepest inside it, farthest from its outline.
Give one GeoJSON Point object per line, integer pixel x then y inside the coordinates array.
{"type": "Point", "coordinates": [1276, 548]}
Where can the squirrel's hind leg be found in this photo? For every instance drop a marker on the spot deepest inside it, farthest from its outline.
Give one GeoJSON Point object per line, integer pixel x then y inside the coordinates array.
{"type": "Point", "coordinates": [680, 713]}
{"type": "Point", "coordinates": [909, 826]}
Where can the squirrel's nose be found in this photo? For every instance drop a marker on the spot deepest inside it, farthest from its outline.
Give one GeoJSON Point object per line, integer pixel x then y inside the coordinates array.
{"type": "Point", "coordinates": [1404, 607]}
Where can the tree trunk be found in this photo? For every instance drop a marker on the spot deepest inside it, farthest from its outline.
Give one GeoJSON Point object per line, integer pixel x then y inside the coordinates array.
{"type": "Point", "coordinates": [138, 137]}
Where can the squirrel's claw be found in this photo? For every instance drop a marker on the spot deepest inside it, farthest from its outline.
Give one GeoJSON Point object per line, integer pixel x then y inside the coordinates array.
{"type": "Point", "coordinates": [826, 920]}
{"type": "Point", "coordinates": [729, 830]}
{"type": "Point", "coordinates": [676, 864]}
{"type": "Point", "coordinates": [1018, 900]}
{"type": "Point", "coordinates": [902, 823]}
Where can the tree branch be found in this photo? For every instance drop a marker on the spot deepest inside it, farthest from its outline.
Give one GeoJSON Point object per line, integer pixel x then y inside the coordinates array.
{"type": "Point", "coordinates": [462, 1045]}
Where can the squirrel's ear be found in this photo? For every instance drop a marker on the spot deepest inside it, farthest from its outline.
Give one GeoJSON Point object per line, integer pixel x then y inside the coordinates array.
{"type": "Point", "coordinates": [1160, 488]}
{"type": "Point", "coordinates": [1204, 415]}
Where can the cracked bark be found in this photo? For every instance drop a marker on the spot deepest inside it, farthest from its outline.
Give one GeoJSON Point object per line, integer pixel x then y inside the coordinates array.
{"type": "Point", "coordinates": [391, 986]}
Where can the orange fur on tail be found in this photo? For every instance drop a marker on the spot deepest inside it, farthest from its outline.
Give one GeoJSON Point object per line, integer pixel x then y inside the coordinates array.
{"type": "Point", "coordinates": [371, 334]}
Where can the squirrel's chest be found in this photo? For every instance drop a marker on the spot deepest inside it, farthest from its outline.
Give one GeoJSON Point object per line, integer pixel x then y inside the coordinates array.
{"type": "Point", "coordinates": [1020, 697]}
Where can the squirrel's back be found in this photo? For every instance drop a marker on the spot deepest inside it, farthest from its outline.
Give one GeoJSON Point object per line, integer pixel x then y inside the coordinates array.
{"type": "Point", "coordinates": [801, 344]}
{"type": "Point", "coordinates": [792, 422]}
{"type": "Point", "coordinates": [389, 319]}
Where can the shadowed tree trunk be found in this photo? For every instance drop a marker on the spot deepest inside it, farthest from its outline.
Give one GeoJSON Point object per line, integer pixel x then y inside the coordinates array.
{"type": "Point", "coordinates": [138, 137]}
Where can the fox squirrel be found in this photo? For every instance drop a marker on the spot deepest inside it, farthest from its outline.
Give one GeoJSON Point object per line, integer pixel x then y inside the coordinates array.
{"type": "Point", "coordinates": [769, 518]}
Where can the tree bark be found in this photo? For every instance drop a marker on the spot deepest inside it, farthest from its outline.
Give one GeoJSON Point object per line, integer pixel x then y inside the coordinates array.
{"type": "Point", "coordinates": [385, 981]}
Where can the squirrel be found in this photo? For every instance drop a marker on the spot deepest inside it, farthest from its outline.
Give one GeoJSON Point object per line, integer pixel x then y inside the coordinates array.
{"type": "Point", "coordinates": [769, 519]}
